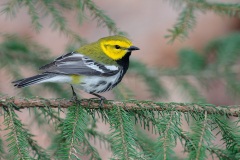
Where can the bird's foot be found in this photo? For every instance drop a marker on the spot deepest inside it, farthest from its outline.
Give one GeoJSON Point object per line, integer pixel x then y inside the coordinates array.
{"type": "Point", "coordinates": [101, 101]}
{"type": "Point", "coordinates": [75, 100]}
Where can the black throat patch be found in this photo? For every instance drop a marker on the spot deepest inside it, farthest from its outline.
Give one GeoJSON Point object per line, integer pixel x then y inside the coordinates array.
{"type": "Point", "coordinates": [124, 62]}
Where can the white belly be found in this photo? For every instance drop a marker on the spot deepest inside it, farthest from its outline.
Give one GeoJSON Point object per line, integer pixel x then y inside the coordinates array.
{"type": "Point", "coordinates": [98, 84]}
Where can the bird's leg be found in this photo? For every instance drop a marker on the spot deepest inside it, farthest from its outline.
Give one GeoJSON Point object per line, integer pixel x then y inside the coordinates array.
{"type": "Point", "coordinates": [74, 97]}
{"type": "Point", "coordinates": [101, 98]}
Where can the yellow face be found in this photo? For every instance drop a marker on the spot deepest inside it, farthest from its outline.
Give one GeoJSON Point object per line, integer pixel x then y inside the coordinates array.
{"type": "Point", "coordinates": [115, 47]}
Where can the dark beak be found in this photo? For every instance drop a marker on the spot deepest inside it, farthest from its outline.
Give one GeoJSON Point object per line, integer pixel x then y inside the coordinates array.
{"type": "Point", "coordinates": [133, 48]}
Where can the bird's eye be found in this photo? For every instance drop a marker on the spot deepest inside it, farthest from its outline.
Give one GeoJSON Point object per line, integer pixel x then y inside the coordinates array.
{"type": "Point", "coordinates": [117, 47]}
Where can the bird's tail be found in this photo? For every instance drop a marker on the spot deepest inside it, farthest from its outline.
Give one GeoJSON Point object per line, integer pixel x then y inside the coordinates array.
{"type": "Point", "coordinates": [32, 80]}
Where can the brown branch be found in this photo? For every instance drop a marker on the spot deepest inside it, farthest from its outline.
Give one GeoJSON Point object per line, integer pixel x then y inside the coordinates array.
{"type": "Point", "coordinates": [127, 105]}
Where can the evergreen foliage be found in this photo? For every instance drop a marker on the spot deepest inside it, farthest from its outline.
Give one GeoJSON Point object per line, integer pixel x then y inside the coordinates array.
{"type": "Point", "coordinates": [71, 141]}
{"type": "Point", "coordinates": [131, 131]}
{"type": "Point", "coordinates": [1, 149]}
{"type": "Point", "coordinates": [19, 139]}
{"type": "Point", "coordinates": [168, 127]}
{"type": "Point", "coordinates": [155, 87]}
{"type": "Point", "coordinates": [122, 134]}
{"type": "Point", "coordinates": [187, 18]}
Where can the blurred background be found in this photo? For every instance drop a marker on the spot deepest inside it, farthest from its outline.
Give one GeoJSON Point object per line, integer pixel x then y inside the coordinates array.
{"type": "Point", "coordinates": [146, 24]}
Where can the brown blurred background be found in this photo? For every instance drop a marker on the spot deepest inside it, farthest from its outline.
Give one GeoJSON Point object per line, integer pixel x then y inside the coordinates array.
{"type": "Point", "coordinates": [146, 23]}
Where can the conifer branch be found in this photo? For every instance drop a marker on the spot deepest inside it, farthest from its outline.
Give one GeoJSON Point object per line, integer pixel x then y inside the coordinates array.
{"type": "Point", "coordinates": [15, 134]}
{"type": "Point", "coordinates": [201, 140]}
{"type": "Point", "coordinates": [121, 127]}
{"type": "Point", "coordinates": [185, 23]}
{"type": "Point", "coordinates": [101, 17]}
{"type": "Point", "coordinates": [165, 141]}
{"type": "Point", "coordinates": [72, 145]}
{"type": "Point", "coordinates": [187, 20]}
{"type": "Point", "coordinates": [232, 110]}
{"type": "Point", "coordinates": [227, 9]}
{"type": "Point", "coordinates": [122, 134]}
{"type": "Point", "coordinates": [17, 137]}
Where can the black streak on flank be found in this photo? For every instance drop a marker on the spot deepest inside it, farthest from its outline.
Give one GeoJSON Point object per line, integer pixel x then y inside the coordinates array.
{"type": "Point", "coordinates": [100, 83]}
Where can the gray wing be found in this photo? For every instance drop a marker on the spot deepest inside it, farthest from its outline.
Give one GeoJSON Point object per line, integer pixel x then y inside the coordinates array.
{"type": "Point", "coordinates": [78, 64]}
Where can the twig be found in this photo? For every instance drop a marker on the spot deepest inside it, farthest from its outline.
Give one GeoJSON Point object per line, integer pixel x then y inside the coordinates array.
{"type": "Point", "coordinates": [233, 110]}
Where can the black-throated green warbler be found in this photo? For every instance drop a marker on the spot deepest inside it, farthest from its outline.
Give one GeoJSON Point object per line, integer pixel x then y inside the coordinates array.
{"type": "Point", "coordinates": [94, 68]}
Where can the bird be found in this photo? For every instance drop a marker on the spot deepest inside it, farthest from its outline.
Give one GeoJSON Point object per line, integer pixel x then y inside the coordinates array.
{"type": "Point", "coordinates": [94, 68]}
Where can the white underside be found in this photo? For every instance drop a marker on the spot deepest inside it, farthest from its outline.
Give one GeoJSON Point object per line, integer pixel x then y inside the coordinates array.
{"type": "Point", "coordinates": [59, 79]}
{"type": "Point", "coordinates": [88, 83]}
